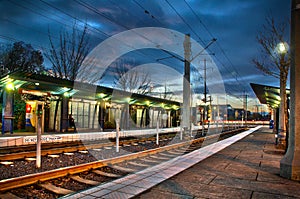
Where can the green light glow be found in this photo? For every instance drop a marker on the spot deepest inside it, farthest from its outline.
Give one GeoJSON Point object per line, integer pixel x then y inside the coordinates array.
{"type": "Point", "coordinates": [10, 86]}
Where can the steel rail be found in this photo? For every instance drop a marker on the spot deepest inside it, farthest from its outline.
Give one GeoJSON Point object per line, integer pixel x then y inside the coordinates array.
{"type": "Point", "coordinates": [44, 152]}
{"type": "Point", "coordinates": [12, 183]}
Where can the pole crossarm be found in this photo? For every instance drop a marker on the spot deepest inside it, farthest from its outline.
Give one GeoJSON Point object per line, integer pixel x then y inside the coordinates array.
{"type": "Point", "coordinates": [210, 43]}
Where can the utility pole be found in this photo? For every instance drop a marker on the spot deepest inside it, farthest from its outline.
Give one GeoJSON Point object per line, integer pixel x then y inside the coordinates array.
{"type": "Point", "coordinates": [186, 112]}
{"type": "Point", "coordinates": [205, 81]}
{"type": "Point", "coordinates": [186, 108]}
{"type": "Point", "coordinates": [218, 111]}
{"type": "Point", "coordinates": [246, 107]}
{"type": "Point", "coordinates": [205, 100]}
{"type": "Point", "coordinates": [210, 108]}
{"type": "Point", "coordinates": [205, 93]}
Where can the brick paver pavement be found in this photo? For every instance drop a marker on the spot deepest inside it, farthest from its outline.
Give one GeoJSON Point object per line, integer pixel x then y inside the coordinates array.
{"type": "Point", "coordinates": [246, 169]}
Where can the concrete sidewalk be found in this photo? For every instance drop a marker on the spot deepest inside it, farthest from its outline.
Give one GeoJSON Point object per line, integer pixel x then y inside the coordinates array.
{"type": "Point", "coordinates": [247, 169]}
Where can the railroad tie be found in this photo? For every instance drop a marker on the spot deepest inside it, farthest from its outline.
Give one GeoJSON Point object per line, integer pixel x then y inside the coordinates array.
{"type": "Point", "coordinates": [85, 181]}
{"type": "Point", "coordinates": [9, 195]}
{"type": "Point", "coordinates": [122, 169]}
{"type": "Point", "coordinates": [191, 149]}
{"type": "Point", "coordinates": [55, 189]}
{"type": "Point", "coordinates": [175, 152]}
{"type": "Point", "coordinates": [150, 161]}
{"type": "Point", "coordinates": [159, 158]}
{"type": "Point", "coordinates": [167, 155]}
{"type": "Point", "coordinates": [111, 175]}
{"type": "Point", "coordinates": [138, 164]}
{"type": "Point", "coordinates": [180, 150]}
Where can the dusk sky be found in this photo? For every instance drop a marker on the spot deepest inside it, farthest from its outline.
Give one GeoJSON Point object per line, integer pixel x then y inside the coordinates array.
{"type": "Point", "coordinates": [234, 23]}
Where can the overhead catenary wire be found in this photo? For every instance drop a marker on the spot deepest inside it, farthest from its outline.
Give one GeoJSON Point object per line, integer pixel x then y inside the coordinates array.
{"type": "Point", "coordinates": [147, 11]}
{"type": "Point", "coordinates": [92, 27]}
{"type": "Point", "coordinates": [90, 7]}
{"type": "Point", "coordinates": [65, 13]}
{"type": "Point", "coordinates": [218, 45]}
{"type": "Point", "coordinates": [38, 31]}
{"type": "Point", "coordinates": [63, 22]}
{"type": "Point", "coordinates": [184, 21]}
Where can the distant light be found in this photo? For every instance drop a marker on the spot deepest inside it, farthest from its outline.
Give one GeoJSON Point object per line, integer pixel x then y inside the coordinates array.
{"type": "Point", "coordinates": [10, 86]}
{"type": "Point", "coordinates": [101, 95]}
{"type": "Point", "coordinates": [66, 94]}
{"type": "Point", "coordinates": [37, 83]}
{"type": "Point", "coordinates": [175, 107]}
{"type": "Point", "coordinates": [18, 86]}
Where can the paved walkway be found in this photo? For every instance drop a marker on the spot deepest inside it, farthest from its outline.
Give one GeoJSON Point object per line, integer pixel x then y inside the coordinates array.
{"type": "Point", "coordinates": [246, 169]}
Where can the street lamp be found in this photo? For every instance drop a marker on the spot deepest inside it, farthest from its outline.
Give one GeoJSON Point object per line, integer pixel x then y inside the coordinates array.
{"type": "Point", "coordinates": [282, 48]}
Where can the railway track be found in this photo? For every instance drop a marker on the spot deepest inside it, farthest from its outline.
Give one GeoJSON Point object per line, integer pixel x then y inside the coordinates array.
{"type": "Point", "coordinates": [22, 152]}
{"type": "Point", "coordinates": [54, 181]}
{"type": "Point", "coordinates": [28, 152]}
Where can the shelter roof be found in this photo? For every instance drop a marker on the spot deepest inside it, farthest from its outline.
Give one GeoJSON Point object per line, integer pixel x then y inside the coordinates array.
{"type": "Point", "coordinates": [268, 94]}
{"type": "Point", "coordinates": [53, 86]}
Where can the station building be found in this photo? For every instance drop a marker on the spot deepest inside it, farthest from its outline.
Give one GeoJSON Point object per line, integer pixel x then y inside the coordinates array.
{"type": "Point", "coordinates": [94, 108]}
{"type": "Point", "coordinates": [25, 95]}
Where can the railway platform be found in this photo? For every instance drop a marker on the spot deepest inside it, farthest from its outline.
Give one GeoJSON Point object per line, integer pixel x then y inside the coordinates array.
{"type": "Point", "coordinates": [243, 166]}
{"type": "Point", "coordinates": [27, 138]}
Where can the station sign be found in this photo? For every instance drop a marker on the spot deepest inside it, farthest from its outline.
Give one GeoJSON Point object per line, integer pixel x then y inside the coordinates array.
{"type": "Point", "coordinates": [45, 138]}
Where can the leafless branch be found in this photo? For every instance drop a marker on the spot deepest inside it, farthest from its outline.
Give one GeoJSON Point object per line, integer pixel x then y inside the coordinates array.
{"type": "Point", "coordinates": [130, 79]}
{"type": "Point", "coordinates": [67, 57]}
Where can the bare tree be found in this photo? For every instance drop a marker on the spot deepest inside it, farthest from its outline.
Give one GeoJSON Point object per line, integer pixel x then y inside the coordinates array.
{"type": "Point", "coordinates": [68, 55]}
{"type": "Point", "coordinates": [131, 80]}
{"type": "Point", "coordinates": [275, 60]}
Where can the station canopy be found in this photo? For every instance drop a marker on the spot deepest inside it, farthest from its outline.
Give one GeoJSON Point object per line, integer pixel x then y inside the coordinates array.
{"type": "Point", "coordinates": [40, 85]}
{"type": "Point", "coordinates": [268, 94]}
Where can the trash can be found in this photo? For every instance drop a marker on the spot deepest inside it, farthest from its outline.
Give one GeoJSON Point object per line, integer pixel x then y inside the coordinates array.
{"type": "Point", "coordinates": [271, 125]}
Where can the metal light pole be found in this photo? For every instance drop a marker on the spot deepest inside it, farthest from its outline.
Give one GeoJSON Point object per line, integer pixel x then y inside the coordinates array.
{"type": "Point", "coordinates": [282, 107]}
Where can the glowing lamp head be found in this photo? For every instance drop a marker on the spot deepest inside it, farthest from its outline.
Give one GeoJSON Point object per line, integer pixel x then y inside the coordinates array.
{"type": "Point", "coordinates": [10, 86]}
{"type": "Point", "coordinates": [282, 47]}
{"type": "Point", "coordinates": [66, 94]}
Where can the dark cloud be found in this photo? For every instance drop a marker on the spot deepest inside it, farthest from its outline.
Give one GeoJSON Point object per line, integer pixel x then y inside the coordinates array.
{"type": "Point", "coordinates": [234, 23]}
